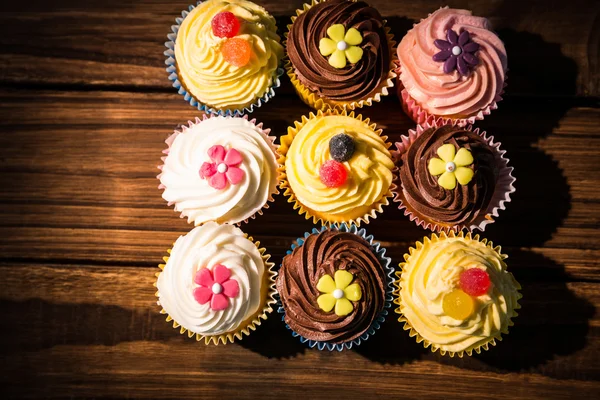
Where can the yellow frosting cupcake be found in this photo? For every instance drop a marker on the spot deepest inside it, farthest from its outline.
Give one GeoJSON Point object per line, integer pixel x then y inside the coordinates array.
{"type": "Point", "coordinates": [217, 78]}
{"type": "Point", "coordinates": [361, 180]}
{"type": "Point", "coordinates": [455, 293]}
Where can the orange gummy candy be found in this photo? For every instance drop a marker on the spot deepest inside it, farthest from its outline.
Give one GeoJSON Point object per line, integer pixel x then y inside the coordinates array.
{"type": "Point", "coordinates": [236, 51]}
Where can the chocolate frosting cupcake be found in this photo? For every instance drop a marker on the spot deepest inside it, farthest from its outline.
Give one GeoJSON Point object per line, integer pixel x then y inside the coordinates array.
{"type": "Point", "coordinates": [423, 192]}
{"type": "Point", "coordinates": [355, 81]}
{"type": "Point", "coordinates": [323, 254]}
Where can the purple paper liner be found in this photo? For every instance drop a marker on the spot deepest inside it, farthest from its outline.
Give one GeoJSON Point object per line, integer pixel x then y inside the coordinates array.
{"type": "Point", "coordinates": [173, 77]}
{"type": "Point", "coordinates": [389, 290]}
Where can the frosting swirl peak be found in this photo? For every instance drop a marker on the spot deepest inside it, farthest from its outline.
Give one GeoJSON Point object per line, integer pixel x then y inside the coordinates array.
{"type": "Point", "coordinates": [324, 254]}
{"type": "Point", "coordinates": [205, 247]}
{"type": "Point", "coordinates": [355, 81]}
{"type": "Point", "coordinates": [432, 271]}
{"type": "Point", "coordinates": [452, 94]}
{"type": "Point", "coordinates": [204, 71]}
{"type": "Point", "coordinates": [421, 190]}
{"type": "Point", "coordinates": [193, 195]}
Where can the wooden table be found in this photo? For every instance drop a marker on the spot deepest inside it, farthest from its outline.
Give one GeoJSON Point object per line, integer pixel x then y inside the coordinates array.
{"type": "Point", "coordinates": [85, 106]}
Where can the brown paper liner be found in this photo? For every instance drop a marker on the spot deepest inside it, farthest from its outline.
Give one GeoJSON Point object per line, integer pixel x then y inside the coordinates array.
{"type": "Point", "coordinates": [271, 140]}
{"type": "Point", "coordinates": [321, 103]}
{"type": "Point", "coordinates": [361, 214]}
{"type": "Point", "coordinates": [267, 292]}
{"type": "Point", "coordinates": [398, 283]}
{"type": "Point", "coordinates": [504, 185]}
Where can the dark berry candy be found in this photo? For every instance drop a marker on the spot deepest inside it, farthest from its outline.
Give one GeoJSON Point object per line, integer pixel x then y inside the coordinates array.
{"type": "Point", "coordinates": [474, 281]}
{"type": "Point", "coordinates": [333, 174]}
{"type": "Point", "coordinates": [341, 147]}
{"type": "Point", "coordinates": [225, 25]}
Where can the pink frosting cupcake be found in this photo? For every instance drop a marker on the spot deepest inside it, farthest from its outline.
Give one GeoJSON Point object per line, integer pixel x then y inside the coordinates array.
{"type": "Point", "coordinates": [451, 65]}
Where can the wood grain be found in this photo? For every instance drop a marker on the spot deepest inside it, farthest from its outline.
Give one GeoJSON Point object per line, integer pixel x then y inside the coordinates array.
{"type": "Point", "coordinates": [85, 108]}
{"type": "Point", "coordinates": [114, 43]}
{"type": "Point", "coordinates": [131, 350]}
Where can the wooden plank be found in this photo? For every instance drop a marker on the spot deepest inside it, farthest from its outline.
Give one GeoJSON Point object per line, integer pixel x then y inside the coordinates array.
{"type": "Point", "coordinates": [89, 331]}
{"type": "Point", "coordinates": [64, 203]}
{"type": "Point", "coordinates": [552, 45]}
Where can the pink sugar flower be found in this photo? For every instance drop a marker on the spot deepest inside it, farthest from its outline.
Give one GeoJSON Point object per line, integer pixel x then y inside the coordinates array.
{"type": "Point", "coordinates": [215, 287]}
{"type": "Point", "coordinates": [223, 168]}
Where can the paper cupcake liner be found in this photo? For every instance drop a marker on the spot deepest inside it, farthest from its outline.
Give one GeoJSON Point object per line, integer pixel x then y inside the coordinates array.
{"type": "Point", "coordinates": [385, 262]}
{"type": "Point", "coordinates": [320, 103]}
{"type": "Point", "coordinates": [174, 78]}
{"type": "Point", "coordinates": [398, 283]}
{"type": "Point", "coordinates": [412, 108]}
{"type": "Point", "coordinates": [265, 132]}
{"type": "Point", "coordinates": [504, 185]}
{"type": "Point", "coordinates": [268, 293]}
{"type": "Point", "coordinates": [317, 217]}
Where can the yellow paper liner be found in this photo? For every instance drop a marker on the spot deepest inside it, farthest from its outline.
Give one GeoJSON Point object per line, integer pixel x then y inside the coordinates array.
{"type": "Point", "coordinates": [267, 292]}
{"type": "Point", "coordinates": [321, 103]}
{"type": "Point", "coordinates": [265, 132]}
{"type": "Point", "coordinates": [363, 213]}
{"type": "Point", "coordinates": [398, 283]}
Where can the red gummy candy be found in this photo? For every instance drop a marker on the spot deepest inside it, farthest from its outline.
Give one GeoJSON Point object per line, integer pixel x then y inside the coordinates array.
{"type": "Point", "coordinates": [474, 281]}
{"type": "Point", "coordinates": [225, 25]}
{"type": "Point", "coordinates": [333, 174]}
{"type": "Point", "coordinates": [236, 51]}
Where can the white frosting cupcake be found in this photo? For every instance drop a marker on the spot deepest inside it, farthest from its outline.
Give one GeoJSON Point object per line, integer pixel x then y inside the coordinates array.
{"type": "Point", "coordinates": [221, 169]}
{"type": "Point", "coordinates": [212, 281]}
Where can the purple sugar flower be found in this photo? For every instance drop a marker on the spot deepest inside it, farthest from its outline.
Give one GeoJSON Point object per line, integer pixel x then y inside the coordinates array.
{"type": "Point", "coordinates": [458, 52]}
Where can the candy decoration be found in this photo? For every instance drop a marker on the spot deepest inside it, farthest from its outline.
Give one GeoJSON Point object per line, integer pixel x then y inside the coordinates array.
{"type": "Point", "coordinates": [216, 287]}
{"type": "Point", "coordinates": [223, 168]}
{"type": "Point", "coordinates": [341, 46]}
{"type": "Point", "coordinates": [338, 293]}
{"type": "Point", "coordinates": [225, 25]}
{"type": "Point", "coordinates": [341, 147]}
{"type": "Point", "coordinates": [457, 53]}
{"type": "Point", "coordinates": [333, 174]}
{"type": "Point", "coordinates": [236, 51]}
{"type": "Point", "coordinates": [452, 166]}
{"type": "Point", "coordinates": [475, 281]}
{"type": "Point", "coordinates": [458, 305]}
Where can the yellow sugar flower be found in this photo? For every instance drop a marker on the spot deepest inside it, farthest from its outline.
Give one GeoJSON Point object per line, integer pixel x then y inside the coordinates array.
{"type": "Point", "coordinates": [338, 293]}
{"type": "Point", "coordinates": [452, 166]}
{"type": "Point", "coordinates": [342, 46]}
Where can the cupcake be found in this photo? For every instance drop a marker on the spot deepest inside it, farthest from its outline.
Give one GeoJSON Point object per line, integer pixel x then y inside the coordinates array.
{"type": "Point", "coordinates": [224, 56]}
{"type": "Point", "coordinates": [334, 287]}
{"type": "Point", "coordinates": [451, 65]}
{"type": "Point", "coordinates": [216, 284]}
{"type": "Point", "coordinates": [221, 169]}
{"type": "Point", "coordinates": [455, 294]}
{"type": "Point", "coordinates": [340, 54]}
{"type": "Point", "coordinates": [337, 168]}
{"type": "Point", "coordinates": [452, 178]}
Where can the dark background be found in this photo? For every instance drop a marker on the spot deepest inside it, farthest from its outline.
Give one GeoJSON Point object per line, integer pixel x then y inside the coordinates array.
{"type": "Point", "coordinates": [85, 106]}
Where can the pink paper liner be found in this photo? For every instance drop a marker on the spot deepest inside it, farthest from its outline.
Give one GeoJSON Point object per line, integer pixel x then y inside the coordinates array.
{"type": "Point", "coordinates": [421, 116]}
{"type": "Point", "coordinates": [504, 185]}
{"type": "Point", "coordinates": [169, 141]}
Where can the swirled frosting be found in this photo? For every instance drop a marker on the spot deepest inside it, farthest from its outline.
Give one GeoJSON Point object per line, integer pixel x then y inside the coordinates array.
{"type": "Point", "coordinates": [204, 247]}
{"type": "Point", "coordinates": [204, 72]}
{"type": "Point", "coordinates": [321, 254]}
{"type": "Point", "coordinates": [369, 169]}
{"type": "Point", "coordinates": [433, 271]}
{"type": "Point", "coordinates": [452, 94]}
{"type": "Point", "coordinates": [355, 81]}
{"type": "Point", "coordinates": [194, 197]}
{"type": "Point", "coordinates": [461, 205]}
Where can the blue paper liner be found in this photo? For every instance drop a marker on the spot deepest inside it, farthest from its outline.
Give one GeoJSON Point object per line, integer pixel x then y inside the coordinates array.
{"type": "Point", "coordinates": [173, 77]}
{"type": "Point", "coordinates": [385, 262]}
